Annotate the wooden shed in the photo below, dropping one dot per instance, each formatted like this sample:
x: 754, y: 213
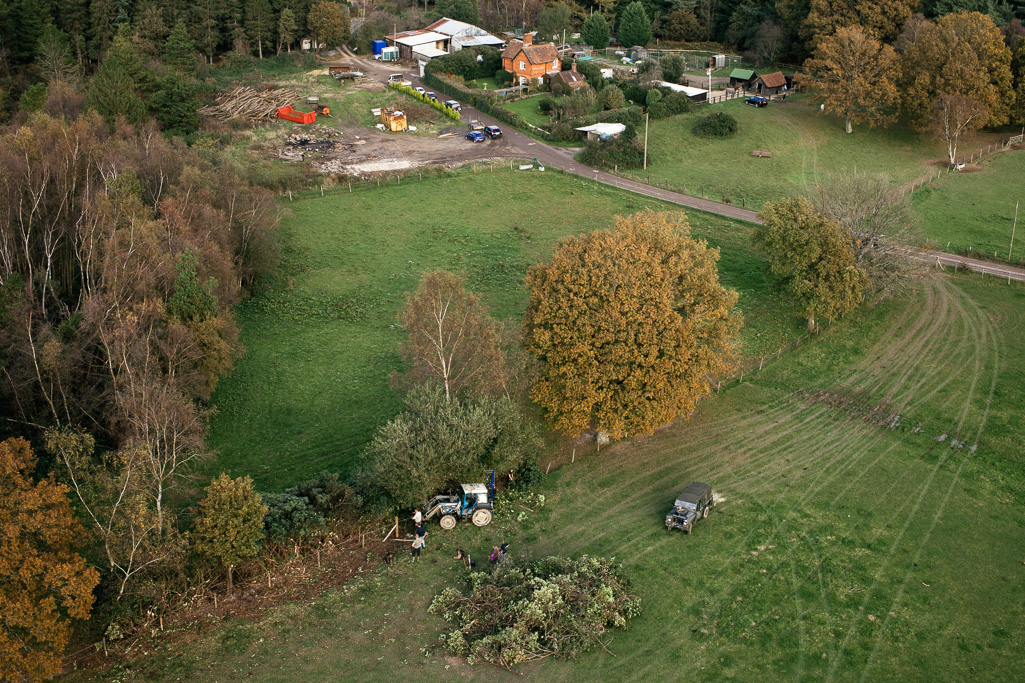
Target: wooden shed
x: 770, y: 84
x: 393, y: 120
x: 742, y: 78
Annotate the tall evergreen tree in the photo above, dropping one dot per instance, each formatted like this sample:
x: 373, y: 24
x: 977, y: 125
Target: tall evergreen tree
x: 287, y: 29
x: 634, y: 26
x: 30, y: 17
x: 179, y: 50
x: 596, y: 31
x: 114, y: 90
x: 259, y: 22
x: 205, y: 25
x: 101, y: 20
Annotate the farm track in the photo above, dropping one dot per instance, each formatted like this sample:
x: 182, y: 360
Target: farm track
x: 796, y: 463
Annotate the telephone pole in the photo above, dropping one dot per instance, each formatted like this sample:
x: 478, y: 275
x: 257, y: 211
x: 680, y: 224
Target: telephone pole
x: 646, y: 143
x: 1013, y: 226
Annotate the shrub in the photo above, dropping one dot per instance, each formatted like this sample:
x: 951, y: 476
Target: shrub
x: 545, y: 104
x: 291, y: 517
x: 672, y: 104
x: 624, y: 151
x: 611, y: 97
x: 555, y: 606
x: 652, y: 97
x: 436, y: 442
x: 717, y: 125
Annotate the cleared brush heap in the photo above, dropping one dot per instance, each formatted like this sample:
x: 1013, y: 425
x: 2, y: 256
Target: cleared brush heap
x: 554, y: 606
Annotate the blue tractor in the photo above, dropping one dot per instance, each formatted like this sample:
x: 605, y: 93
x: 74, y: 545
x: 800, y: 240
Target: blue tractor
x: 476, y: 501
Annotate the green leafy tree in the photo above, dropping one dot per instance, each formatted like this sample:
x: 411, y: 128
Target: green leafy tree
x: 682, y: 24
x: 327, y: 23
x: 611, y: 97
x: 175, y: 107
x: 189, y: 302
x: 811, y: 259
x: 287, y: 29
x: 259, y: 22
x: 596, y: 31
x: 634, y: 26
x: 436, y: 442
x: 179, y: 50
x: 460, y: 10
x: 554, y: 20
x: 673, y: 66
x: 229, y: 527
x: 628, y: 325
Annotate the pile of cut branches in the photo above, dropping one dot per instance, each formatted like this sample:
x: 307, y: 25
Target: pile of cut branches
x: 555, y: 606
x: 249, y: 104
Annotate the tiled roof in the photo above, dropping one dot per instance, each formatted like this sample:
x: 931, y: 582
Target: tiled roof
x: 543, y: 53
x: 774, y: 80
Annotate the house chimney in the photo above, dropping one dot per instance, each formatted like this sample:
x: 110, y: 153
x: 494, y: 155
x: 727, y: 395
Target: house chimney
x: 528, y: 39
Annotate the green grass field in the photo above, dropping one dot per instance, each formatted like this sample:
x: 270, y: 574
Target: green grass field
x: 858, y: 535
x: 322, y: 342
x: 976, y: 209
x: 527, y: 108
x: 804, y: 143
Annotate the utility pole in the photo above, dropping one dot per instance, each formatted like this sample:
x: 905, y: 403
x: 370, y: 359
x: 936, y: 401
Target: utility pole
x: 646, y: 143
x: 1013, y: 226
x: 711, y: 61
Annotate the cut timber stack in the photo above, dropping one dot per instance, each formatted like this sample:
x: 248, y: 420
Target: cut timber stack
x: 249, y: 104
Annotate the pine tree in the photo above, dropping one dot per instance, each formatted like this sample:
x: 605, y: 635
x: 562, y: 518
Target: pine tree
x: 287, y: 29
x: 30, y: 19
x: 175, y: 105
x: 596, y: 32
x: 114, y: 90
x: 101, y: 20
x: 259, y: 22
x: 179, y: 50
x: 205, y: 25
x: 634, y: 26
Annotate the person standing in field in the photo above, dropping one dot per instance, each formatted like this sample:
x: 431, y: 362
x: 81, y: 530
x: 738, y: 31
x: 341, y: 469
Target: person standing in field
x: 418, y: 543
x: 417, y: 518
x: 421, y: 533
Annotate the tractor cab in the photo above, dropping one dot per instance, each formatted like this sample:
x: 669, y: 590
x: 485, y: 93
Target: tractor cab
x: 476, y: 501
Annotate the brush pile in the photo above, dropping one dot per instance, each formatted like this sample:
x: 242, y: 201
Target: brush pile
x: 251, y: 105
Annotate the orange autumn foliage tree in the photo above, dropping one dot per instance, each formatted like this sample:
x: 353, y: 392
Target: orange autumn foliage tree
x: 44, y: 583
x: 629, y: 325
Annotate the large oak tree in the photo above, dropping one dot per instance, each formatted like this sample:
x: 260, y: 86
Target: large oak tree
x: 629, y: 325
x: 853, y: 72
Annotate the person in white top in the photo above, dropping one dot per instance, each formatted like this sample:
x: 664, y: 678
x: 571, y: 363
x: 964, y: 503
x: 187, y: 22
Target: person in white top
x: 418, y: 543
x: 417, y: 517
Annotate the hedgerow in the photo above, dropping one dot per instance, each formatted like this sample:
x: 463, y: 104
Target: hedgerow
x: 440, y: 106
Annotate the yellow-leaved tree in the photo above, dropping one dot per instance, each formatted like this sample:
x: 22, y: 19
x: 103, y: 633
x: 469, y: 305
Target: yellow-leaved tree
x: 629, y: 325
x: 852, y: 72
x: 45, y: 584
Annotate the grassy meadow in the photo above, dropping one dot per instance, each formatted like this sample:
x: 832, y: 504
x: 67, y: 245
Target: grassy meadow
x: 323, y: 341
x: 869, y: 527
x: 805, y: 144
x: 975, y: 209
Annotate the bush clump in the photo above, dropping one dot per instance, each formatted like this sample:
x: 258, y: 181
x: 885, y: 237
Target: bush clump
x: 554, y: 606
x: 717, y: 125
x: 624, y: 151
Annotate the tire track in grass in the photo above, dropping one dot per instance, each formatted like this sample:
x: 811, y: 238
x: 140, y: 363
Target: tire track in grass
x: 802, y: 630
x: 855, y: 626
x: 895, y: 605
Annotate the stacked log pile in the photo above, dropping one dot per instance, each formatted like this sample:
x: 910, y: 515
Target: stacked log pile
x: 249, y: 104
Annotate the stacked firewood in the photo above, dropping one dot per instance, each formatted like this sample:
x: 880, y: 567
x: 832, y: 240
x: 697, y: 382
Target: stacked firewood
x: 246, y: 103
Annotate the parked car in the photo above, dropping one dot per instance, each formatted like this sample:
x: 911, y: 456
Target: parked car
x: 453, y: 105
x: 431, y: 96
x: 690, y: 506
x: 419, y: 90
x: 475, y: 136
x: 757, y: 101
x: 493, y: 132
x: 395, y: 78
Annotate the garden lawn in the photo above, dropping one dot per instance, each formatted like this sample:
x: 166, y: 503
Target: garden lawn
x: 868, y: 526
x: 804, y: 143
x: 975, y: 208
x: 527, y: 108
x: 323, y: 341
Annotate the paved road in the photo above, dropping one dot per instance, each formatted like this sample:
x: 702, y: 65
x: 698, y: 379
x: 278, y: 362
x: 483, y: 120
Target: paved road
x: 515, y: 143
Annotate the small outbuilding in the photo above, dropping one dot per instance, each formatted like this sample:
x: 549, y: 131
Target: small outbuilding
x: 638, y: 52
x: 769, y: 84
x: 742, y: 78
x: 602, y: 131
x: 693, y: 94
x: 570, y: 80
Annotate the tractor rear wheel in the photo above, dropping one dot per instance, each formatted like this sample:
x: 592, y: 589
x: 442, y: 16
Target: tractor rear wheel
x: 481, y: 517
x: 447, y: 522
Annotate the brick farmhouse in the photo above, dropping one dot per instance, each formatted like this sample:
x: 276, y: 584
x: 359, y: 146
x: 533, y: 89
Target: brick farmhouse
x: 529, y: 62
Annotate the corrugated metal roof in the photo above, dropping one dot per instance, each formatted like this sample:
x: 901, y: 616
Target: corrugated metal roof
x: 428, y: 51
x: 414, y: 38
x: 742, y: 74
x: 450, y: 27
x: 685, y: 89
x: 477, y: 41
